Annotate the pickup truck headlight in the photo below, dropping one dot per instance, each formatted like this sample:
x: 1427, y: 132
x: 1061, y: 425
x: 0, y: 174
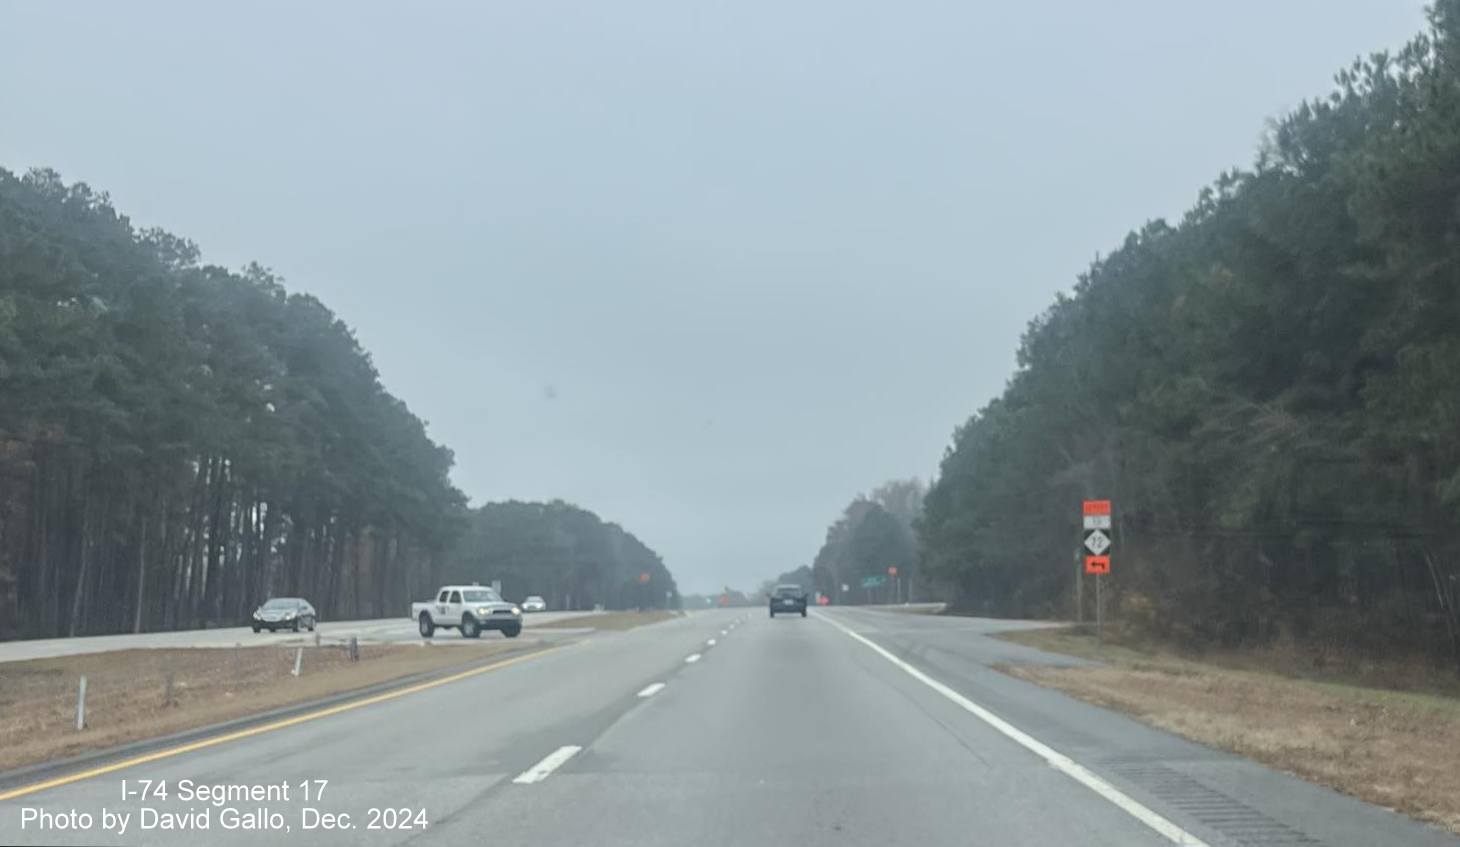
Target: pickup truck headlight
x: 516, y: 611
x: 483, y: 611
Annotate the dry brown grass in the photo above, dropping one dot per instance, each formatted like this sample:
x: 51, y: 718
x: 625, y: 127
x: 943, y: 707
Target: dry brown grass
x: 125, y: 690
x: 612, y: 620
x: 1315, y: 662
x: 913, y: 608
x: 1399, y: 749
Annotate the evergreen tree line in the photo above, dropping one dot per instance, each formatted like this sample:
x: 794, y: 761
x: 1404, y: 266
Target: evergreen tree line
x: 179, y: 441
x: 1268, y: 390
x: 872, y: 534
x: 567, y: 555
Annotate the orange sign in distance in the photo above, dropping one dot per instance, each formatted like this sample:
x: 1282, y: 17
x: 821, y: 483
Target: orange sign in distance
x: 644, y: 576
x: 1097, y: 564
x: 1097, y: 507
x: 892, y: 571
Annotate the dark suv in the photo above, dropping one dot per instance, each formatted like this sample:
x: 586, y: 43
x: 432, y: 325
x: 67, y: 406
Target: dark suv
x: 788, y: 598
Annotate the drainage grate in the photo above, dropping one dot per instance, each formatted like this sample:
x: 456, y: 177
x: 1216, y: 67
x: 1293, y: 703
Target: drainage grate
x: 1231, y: 817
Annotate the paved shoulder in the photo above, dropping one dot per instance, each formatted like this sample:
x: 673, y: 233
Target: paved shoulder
x: 1220, y: 797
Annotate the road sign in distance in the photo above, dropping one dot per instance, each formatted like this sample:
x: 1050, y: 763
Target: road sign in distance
x: 643, y: 576
x: 1097, y: 564
x: 1097, y: 542
x: 874, y: 581
x: 1096, y: 520
x: 892, y: 571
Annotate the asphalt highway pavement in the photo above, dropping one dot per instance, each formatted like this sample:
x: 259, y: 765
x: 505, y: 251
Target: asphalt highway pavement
x: 722, y: 727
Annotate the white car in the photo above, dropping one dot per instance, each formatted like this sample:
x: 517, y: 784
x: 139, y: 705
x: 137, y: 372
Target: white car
x: 534, y: 604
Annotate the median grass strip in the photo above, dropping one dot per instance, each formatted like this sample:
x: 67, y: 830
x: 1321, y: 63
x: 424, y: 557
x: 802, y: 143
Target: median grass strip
x: 611, y: 620
x: 127, y: 690
x: 1396, y: 748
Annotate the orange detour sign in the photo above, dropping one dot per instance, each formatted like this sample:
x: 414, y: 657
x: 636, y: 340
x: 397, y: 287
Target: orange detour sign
x: 1097, y: 564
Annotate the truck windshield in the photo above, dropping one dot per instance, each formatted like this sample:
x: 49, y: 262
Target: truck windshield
x: 481, y: 595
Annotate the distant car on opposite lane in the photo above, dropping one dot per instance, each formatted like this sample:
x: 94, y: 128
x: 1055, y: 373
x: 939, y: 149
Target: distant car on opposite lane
x: 534, y: 603
x: 788, y: 598
x: 285, y: 613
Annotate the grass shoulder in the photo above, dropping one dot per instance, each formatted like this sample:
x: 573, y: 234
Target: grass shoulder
x: 1398, y: 747
x: 127, y: 690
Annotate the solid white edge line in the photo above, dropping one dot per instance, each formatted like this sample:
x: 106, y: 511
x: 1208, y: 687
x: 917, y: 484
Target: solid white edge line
x: 691, y: 658
x: 651, y: 690
x: 550, y: 763
x: 1056, y: 759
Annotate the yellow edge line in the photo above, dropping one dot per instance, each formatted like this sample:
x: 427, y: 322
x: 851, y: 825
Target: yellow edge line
x: 268, y: 727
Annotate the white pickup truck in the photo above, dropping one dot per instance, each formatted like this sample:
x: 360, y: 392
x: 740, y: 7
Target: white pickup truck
x: 469, y: 609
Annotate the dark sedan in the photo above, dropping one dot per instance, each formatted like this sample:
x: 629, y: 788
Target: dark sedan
x: 285, y: 613
x: 788, y: 598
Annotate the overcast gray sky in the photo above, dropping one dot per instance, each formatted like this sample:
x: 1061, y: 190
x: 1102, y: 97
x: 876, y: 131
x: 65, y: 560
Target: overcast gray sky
x: 708, y: 269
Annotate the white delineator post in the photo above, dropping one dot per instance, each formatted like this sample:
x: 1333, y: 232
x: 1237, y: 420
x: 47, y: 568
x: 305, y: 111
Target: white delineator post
x: 81, y: 705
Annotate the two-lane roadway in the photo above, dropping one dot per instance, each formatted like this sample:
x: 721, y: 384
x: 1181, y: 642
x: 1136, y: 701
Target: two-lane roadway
x: 727, y: 728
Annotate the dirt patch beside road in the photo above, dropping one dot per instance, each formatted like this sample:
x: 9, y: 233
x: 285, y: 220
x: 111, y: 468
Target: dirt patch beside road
x: 1399, y: 749
x: 126, y: 690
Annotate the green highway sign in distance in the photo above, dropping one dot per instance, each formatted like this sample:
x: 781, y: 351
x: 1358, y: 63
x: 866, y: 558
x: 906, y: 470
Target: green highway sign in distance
x: 874, y: 581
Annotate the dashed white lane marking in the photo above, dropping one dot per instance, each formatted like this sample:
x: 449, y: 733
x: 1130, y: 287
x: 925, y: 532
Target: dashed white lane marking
x: 710, y: 643
x: 1056, y: 759
x: 651, y: 690
x: 691, y: 658
x: 724, y: 632
x: 550, y: 763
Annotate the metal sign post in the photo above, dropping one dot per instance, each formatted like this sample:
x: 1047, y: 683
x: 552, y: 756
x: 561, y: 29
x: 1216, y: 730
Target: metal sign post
x: 1079, y: 591
x: 1097, y: 547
